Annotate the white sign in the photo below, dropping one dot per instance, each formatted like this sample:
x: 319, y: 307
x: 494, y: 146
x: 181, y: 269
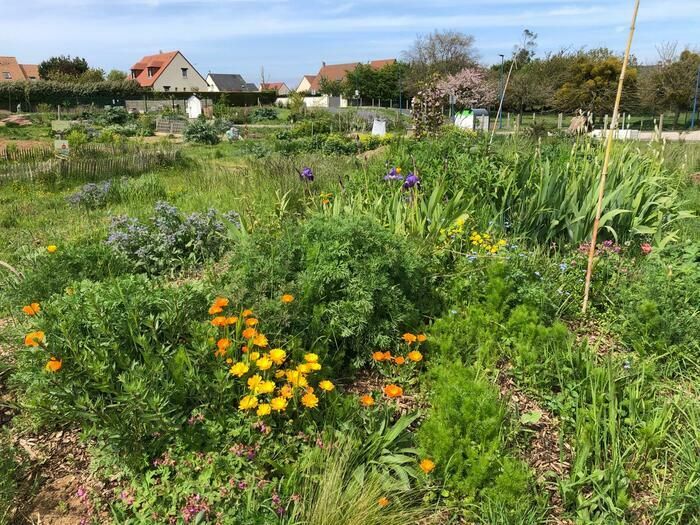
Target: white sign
x: 62, y: 147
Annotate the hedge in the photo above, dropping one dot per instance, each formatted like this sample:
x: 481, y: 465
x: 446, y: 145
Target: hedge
x: 30, y: 94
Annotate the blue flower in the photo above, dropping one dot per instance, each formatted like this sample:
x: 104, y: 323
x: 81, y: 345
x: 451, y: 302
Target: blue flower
x: 393, y: 175
x: 307, y: 174
x: 563, y: 266
x: 411, y: 181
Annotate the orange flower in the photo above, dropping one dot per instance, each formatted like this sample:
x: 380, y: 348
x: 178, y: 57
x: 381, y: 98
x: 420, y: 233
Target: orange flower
x: 213, y: 310
x: 427, y: 465
x: 287, y: 298
x: 415, y: 356
x: 222, y: 346
x: 221, y: 302
x: 378, y: 356
x: 219, y: 321
x: 260, y: 340
x: 399, y: 360
x: 251, y: 321
x: 249, y: 333
x: 309, y: 400
x: 392, y: 391
x: 53, y: 364
x: 387, y: 356
x: 231, y: 320
x: 422, y: 338
x: 367, y: 400
x: 286, y: 392
x: 409, y: 338
x: 247, y: 313
x: 34, y: 338
x: 31, y: 309
x: 383, y: 501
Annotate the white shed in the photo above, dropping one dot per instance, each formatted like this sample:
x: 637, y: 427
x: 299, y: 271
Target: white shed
x: 194, y: 107
x: 473, y: 119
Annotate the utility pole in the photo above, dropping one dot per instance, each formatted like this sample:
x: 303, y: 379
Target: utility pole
x: 500, y: 91
x: 695, y: 100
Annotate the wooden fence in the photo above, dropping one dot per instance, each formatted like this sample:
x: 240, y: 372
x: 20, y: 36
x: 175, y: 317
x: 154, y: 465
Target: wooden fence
x: 88, y: 169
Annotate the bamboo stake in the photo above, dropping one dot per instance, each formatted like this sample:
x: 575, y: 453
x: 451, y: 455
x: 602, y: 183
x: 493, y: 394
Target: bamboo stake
x: 606, y: 161
x: 500, y: 105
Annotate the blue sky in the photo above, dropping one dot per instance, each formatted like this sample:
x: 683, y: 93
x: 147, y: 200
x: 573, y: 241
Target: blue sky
x: 290, y: 38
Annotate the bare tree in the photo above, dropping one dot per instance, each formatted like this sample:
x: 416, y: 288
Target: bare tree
x: 440, y: 52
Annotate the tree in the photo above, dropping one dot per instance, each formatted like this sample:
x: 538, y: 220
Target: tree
x: 62, y: 67
x: 442, y: 53
x: 385, y: 83
x: 470, y: 87
x: 525, y: 51
x: 671, y: 84
x: 115, y: 75
x: 331, y: 87
x: 591, y: 84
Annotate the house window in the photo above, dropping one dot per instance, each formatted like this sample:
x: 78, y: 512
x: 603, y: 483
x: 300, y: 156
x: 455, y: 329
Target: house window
x: 166, y: 88
x: 151, y: 70
x: 7, y: 75
x: 184, y: 72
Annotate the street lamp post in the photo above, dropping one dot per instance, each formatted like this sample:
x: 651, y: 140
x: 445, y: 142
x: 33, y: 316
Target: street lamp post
x: 500, y: 91
x: 695, y: 100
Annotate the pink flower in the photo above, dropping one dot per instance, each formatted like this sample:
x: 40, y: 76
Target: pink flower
x: 646, y: 248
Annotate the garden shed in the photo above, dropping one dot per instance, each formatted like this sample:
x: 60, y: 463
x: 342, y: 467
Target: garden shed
x: 473, y: 119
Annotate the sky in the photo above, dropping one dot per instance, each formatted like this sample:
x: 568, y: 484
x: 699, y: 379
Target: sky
x: 290, y: 38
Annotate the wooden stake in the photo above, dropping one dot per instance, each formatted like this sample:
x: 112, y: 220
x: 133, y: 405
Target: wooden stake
x: 606, y: 161
x: 500, y: 105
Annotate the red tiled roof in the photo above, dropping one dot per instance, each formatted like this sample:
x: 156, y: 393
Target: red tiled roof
x: 31, y: 71
x: 335, y: 72
x: 159, y: 61
x: 271, y: 86
x: 10, y: 65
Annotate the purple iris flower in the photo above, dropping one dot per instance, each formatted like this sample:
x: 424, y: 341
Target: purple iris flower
x: 411, y: 181
x: 307, y: 174
x: 393, y: 175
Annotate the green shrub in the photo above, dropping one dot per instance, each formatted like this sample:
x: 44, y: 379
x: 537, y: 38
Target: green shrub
x: 10, y: 472
x: 357, y: 284
x: 263, y: 114
x: 202, y: 132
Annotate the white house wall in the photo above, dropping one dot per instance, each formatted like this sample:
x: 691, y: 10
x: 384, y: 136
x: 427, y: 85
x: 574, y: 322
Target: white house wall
x: 172, y: 76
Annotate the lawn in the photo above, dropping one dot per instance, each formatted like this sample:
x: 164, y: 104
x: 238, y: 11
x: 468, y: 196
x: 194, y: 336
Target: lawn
x: 328, y: 329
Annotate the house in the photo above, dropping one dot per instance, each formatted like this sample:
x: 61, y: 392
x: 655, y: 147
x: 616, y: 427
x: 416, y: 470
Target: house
x: 168, y: 72
x: 232, y: 83
x: 280, y: 87
x: 305, y: 84
x: 338, y: 72
x: 11, y: 70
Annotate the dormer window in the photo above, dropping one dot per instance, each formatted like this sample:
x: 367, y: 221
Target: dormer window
x: 184, y: 72
x: 152, y: 71
x: 7, y: 75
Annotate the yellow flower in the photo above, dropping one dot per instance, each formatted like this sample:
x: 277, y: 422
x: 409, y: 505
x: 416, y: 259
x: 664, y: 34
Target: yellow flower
x: 229, y: 361
x: 34, y: 338
x: 415, y: 356
x: 303, y: 368
x: 309, y: 400
x: 409, y: 338
x: 422, y: 338
x: 315, y: 367
x: 287, y: 298
x: 31, y: 309
x: 277, y: 355
x: 326, y: 385
x: 254, y: 356
x: 427, y: 465
x: 286, y: 392
x: 54, y: 365
x: 311, y: 358
x: 278, y: 404
x: 251, y: 321
x: 254, y: 381
x: 260, y: 340
x: 266, y: 387
x: 264, y: 409
x: 367, y: 400
x: 264, y: 363
x: 248, y: 403
x: 239, y: 369
x: 383, y: 501
x: 393, y: 391
x: 249, y: 333
x: 279, y: 374
x: 52, y: 248
x: 296, y: 378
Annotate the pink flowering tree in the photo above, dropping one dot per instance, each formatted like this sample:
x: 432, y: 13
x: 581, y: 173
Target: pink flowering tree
x: 470, y: 87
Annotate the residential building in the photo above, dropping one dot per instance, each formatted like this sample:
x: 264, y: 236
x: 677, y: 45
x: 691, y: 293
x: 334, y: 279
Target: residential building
x: 305, y: 84
x: 338, y: 72
x: 280, y: 87
x: 168, y: 72
x: 232, y: 83
x: 11, y: 70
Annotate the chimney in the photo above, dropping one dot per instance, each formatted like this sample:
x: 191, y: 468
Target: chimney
x: 324, y: 64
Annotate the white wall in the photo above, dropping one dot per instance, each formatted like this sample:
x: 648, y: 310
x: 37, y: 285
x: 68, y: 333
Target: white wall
x: 172, y: 76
